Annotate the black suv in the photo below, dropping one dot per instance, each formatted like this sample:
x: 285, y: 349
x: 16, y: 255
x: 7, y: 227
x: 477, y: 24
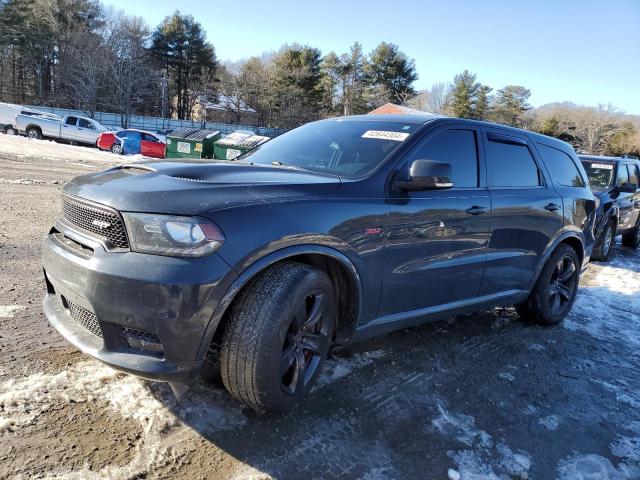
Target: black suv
x: 615, y: 181
x: 332, y: 233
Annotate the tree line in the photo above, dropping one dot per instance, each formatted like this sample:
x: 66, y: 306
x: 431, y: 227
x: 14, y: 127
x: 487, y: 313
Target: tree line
x: 79, y: 54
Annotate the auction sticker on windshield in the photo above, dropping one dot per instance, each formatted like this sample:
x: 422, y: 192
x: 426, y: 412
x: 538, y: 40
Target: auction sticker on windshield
x: 602, y: 166
x: 385, y: 135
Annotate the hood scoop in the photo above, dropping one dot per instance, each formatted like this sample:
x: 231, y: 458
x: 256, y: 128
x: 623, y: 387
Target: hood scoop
x: 189, y: 179
x: 136, y: 169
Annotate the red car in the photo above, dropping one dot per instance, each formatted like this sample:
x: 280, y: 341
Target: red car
x: 131, y: 142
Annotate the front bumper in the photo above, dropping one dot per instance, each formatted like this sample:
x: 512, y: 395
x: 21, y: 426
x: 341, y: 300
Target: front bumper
x: 166, y: 299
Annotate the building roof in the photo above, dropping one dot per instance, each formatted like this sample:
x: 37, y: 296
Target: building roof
x: 393, y: 109
x: 228, y: 102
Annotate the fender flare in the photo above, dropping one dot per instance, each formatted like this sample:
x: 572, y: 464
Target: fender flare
x: 550, y: 248
x: 236, y: 281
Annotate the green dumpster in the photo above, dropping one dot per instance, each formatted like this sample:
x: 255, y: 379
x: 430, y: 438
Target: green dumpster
x: 231, y: 146
x: 191, y: 143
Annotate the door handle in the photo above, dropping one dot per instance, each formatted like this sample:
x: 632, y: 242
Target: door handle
x: 475, y: 210
x: 552, y: 207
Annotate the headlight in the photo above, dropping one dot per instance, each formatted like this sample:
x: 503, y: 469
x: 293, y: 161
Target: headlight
x: 171, y: 235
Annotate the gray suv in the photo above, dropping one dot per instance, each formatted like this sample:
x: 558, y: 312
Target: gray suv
x: 330, y: 234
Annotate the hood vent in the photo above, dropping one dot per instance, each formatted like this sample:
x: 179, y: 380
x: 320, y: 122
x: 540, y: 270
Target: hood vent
x: 190, y: 179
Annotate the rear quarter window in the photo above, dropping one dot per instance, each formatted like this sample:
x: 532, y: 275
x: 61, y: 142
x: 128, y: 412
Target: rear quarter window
x: 561, y: 166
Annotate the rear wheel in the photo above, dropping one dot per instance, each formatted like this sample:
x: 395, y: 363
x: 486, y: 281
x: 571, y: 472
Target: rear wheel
x: 632, y: 239
x: 277, y: 336
x: 556, y: 289
x: 116, y: 148
x: 10, y: 131
x: 34, y: 132
x: 604, y: 245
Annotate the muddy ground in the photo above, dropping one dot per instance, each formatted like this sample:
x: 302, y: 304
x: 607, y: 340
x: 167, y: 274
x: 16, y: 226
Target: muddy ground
x: 480, y: 397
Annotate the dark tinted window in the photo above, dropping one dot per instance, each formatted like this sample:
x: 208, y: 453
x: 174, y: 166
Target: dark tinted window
x: 149, y: 138
x: 623, y: 175
x: 511, y: 165
x: 348, y: 148
x: 456, y: 147
x: 561, y: 166
x: 84, y: 123
x: 633, y: 174
x: 71, y: 121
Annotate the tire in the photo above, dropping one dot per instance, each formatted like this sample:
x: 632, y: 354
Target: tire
x: 604, y: 245
x: 116, y: 148
x: 558, y: 282
x: 34, y: 132
x: 277, y: 336
x: 10, y: 131
x: 632, y: 239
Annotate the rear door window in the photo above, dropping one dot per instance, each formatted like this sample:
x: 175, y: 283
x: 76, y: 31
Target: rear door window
x: 510, y: 163
x: 561, y: 166
x: 633, y: 174
x: 71, y: 121
x: 84, y: 123
x: 149, y: 138
x: 456, y: 147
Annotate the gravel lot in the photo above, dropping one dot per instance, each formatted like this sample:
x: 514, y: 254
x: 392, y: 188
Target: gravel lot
x: 480, y: 397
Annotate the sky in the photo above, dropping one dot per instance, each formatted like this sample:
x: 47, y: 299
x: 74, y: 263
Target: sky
x: 583, y: 51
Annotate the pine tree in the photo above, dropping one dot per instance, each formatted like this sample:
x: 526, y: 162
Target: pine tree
x: 180, y: 45
x: 390, y: 73
x: 511, y: 105
x: 463, y: 95
x: 482, y: 104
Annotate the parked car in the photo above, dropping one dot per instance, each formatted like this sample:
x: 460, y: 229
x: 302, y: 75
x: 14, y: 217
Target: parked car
x: 615, y: 181
x: 132, y: 141
x: 8, y: 114
x: 329, y: 234
x: 70, y: 128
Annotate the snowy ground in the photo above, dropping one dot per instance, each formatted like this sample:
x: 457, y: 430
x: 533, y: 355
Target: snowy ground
x: 480, y: 397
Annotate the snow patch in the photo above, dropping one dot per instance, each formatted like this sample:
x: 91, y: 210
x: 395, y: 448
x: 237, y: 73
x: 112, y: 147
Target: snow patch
x: 9, y: 311
x: 507, y: 376
x: 628, y: 447
x: 592, y: 467
x: 161, y: 417
x: 552, y: 422
x: 337, y: 368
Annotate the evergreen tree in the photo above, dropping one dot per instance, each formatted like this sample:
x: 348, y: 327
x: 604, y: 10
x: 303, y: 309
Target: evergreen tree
x: 511, y: 105
x: 390, y: 73
x: 180, y: 45
x: 463, y: 95
x: 482, y: 104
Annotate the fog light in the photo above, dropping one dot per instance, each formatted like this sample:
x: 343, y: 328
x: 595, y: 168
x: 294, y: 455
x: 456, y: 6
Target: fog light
x: 146, y: 342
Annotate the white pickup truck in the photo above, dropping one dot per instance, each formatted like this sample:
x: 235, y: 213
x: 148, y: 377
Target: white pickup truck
x: 72, y: 128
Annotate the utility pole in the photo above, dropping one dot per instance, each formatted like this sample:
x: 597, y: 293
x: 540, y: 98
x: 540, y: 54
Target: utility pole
x: 163, y: 86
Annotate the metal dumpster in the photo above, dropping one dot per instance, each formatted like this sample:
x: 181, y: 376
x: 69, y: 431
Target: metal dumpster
x: 191, y: 143
x: 236, y: 144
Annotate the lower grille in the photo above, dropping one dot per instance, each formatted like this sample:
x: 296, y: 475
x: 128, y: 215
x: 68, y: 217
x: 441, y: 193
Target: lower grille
x: 83, y: 317
x: 97, y: 219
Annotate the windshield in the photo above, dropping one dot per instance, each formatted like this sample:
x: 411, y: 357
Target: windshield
x: 600, y: 174
x: 345, y: 148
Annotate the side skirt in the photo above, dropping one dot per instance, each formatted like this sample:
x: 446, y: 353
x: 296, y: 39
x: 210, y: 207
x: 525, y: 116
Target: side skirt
x: 411, y: 318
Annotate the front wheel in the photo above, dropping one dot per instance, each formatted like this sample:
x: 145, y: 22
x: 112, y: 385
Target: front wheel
x: 632, y: 239
x: 10, y: 131
x: 277, y: 336
x: 603, y: 248
x: 555, y: 291
x: 116, y: 148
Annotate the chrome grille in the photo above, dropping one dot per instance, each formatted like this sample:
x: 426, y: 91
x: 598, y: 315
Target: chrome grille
x: 99, y: 220
x: 84, y: 317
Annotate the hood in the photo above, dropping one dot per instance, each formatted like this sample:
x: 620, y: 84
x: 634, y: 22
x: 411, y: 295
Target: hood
x: 196, y: 187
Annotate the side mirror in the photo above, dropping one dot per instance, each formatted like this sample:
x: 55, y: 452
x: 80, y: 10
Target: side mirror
x: 628, y: 187
x: 426, y: 175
